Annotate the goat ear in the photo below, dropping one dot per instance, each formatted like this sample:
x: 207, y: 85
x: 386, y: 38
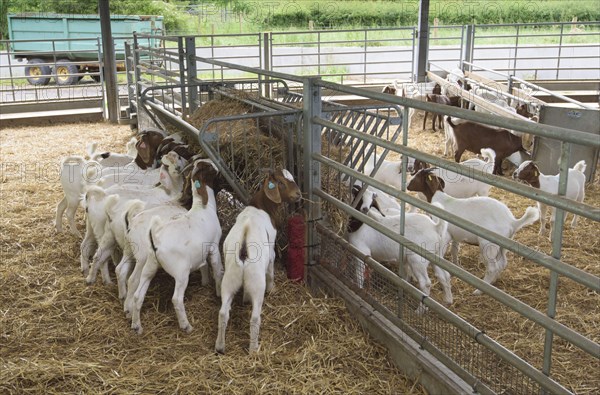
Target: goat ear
x: 272, y: 190
x: 202, y: 192
x: 143, y: 149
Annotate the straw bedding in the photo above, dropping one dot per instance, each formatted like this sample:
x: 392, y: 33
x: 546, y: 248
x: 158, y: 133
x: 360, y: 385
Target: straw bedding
x: 577, y: 308
x: 60, y: 336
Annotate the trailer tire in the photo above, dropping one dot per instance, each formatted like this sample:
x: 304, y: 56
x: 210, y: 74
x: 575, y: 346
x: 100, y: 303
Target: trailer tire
x: 35, y: 74
x: 63, y: 73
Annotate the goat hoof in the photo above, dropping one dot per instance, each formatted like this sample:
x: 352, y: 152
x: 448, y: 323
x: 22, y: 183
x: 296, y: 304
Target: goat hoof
x: 477, y: 292
x: 89, y: 281
x: 137, y: 328
x: 188, y: 329
x: 220, y: 350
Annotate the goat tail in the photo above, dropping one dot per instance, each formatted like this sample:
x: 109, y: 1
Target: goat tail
x: 489, y: 155
x: 95, y: 193
x: 243, y: 252
x: 155, y: 223
x: 531, y: 215
x: 91, y: 149
x: 580, y: 166
x: 133, y: 208
x: 449, y: 120
x: 110, y: 204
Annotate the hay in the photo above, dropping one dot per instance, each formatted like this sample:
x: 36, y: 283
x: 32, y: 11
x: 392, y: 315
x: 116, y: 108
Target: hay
x: 578, y: 308
x: 61, y: 336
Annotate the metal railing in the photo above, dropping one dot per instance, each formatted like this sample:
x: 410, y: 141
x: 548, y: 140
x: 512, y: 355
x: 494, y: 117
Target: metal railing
x: 363, y: 56
x: 386, y: 289
x: 540, y: 51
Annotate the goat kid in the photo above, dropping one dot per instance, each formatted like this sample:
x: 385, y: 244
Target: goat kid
x: 459, y: 186
x: 453, y: 101
x: 99, y: 238
x: 473, y: 137
x: 529, y: 173
x: 419, y: 229
x: 249, y: 251
x: 184, y: 244
x: 486, y: 212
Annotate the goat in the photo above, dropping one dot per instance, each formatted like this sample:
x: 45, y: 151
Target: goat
x: 97, y: 229
x: 529, y: 173
x: 453, y: 101
x: 420, y: 229
x: 473, y: 137
x: 184, y: 244
x: 77, y: 174
x: 459, y: 186
x: 486, y: 212
x: 249, y: 251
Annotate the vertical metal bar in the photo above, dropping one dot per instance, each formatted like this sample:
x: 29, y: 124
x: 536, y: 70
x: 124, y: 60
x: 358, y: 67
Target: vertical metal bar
x: 128, y: 72
x: 557, y: 232
x: 110, y: 67
x: 212, y: 54
x: 516, y: 50
x: 54, y: 68
x: 562, y: 28
x: 267, y: 62
x: 423, y: 46
x: 190, y: 53
x: 365, y: 57
x: 319, y: 53
x: 462, y: 48
x: 136, y: 70
x: 10, y: 70
x: 469, y: 45
x: 182, y: 81
x: 412, y: 54
x: 312, y: 168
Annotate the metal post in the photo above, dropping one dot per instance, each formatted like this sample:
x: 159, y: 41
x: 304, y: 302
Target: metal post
x: 110, y: 67
x: 312, y: 168
x: 365, y: 43
x: 516, y: 50
x: 267, y: 62
x: 469, y: 44
x: 557, y: 232
x: 562, y: 28
x: 423, y: 44
x: 190, y: 53
x: 136, y: 71
x: 185, y: 111
x: 412, y: 55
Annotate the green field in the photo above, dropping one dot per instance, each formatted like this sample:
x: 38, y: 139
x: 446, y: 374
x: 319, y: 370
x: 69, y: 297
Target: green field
x: 244, y: 16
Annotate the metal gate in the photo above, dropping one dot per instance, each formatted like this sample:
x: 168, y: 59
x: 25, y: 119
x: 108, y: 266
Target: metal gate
x: 461, y: 356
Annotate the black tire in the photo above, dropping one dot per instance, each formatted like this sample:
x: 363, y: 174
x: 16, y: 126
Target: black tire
x: 63, y: 73
x: 37, y: 74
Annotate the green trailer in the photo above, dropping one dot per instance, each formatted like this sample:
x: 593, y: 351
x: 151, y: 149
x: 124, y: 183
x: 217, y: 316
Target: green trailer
x: 65, y: 46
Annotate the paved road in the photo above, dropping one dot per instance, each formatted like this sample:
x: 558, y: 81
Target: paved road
x: 395, y: 63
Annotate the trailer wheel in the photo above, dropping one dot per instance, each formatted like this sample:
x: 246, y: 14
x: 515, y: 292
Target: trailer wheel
x: 37, y: 75
x: 63, y: 73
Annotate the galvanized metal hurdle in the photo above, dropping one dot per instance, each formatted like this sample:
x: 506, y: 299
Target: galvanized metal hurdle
x: 461, y: 356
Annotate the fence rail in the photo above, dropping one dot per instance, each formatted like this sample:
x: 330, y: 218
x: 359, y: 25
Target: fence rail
x: 386, y: 289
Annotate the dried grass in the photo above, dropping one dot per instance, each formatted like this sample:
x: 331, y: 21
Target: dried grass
x: 60, y: 336
x: 578, y: 308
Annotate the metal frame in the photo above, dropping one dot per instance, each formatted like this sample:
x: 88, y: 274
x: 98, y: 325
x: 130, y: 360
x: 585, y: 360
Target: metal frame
x: 319, y: 237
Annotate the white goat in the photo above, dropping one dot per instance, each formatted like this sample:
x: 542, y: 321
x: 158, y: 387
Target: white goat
x: 529, y: 172
x: 430, y: 234
x: 184, y: 244
x: 98, y: 230
x: 460, y: 186
x: 249, y: 251
x: 486, y: 212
